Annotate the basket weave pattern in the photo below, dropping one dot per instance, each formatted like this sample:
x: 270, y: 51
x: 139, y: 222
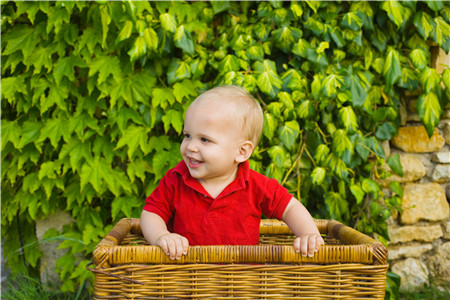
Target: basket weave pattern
x: 350, y: 266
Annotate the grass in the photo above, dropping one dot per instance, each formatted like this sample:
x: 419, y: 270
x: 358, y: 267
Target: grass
x: 427, y: 292
x: 22, y: 287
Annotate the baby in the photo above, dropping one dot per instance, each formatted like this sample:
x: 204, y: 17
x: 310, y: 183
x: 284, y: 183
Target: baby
x: 212, y: 197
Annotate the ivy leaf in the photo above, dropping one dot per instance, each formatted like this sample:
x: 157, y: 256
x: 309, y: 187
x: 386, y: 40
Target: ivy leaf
x: 429, y: 80
x: 30, y: 132
x: 151, y: 38
x: 173, y: 118
x: 220, y: 6
x: 396, y: 12
x: 396, y: 187
x: 392, y: 70
x: 337, y: 206
x: 441, y: 34
x: 184, y: 90
x: 357, y: 192
x: 289, y: 133
x: 229, y: 63
x: 318, y: 175
x: 168, y: 22
x: 12, y: 85
x: 370, y: 186
x: 322, y: 152
x: 11, y: 132
x: 269, y: 83
x: 139, y: 49
x: 54, y: 129
x: 278, y: 155
x: 269, y: 126
x: 306, y: 109
x: 348, y: 119
x: 337, y: 166
x: 23, y: 38
x: 424, y: 24
x: 395, y: 164
x: 125, y: 33
x: 183, y: 40
x: 65, y: 67
x: 409, y: 79
x: 386, y: 131
x: 133, y: 137
x: 106, y: 66
x: 161, y: 97
x: 341, y: 142
x: 178, y: 70
x: 331, y: 84
x: 429, y: 111
x: 352, y: 20
x: 419, y: 58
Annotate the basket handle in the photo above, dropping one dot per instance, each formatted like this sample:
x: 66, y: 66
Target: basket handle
x: 112, y: 275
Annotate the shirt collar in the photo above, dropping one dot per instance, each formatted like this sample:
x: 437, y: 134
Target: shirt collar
x: 238, y: 183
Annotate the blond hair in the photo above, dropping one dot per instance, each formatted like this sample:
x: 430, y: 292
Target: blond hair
x: 247, y: 108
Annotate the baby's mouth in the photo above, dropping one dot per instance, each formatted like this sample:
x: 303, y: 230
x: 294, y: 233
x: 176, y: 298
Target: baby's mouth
x: 193, y: 162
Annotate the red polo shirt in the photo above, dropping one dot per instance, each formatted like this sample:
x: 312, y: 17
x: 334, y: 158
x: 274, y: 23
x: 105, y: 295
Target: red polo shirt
x: 232, y: 218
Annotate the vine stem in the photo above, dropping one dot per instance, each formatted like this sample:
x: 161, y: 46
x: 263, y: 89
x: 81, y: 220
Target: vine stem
x: 302, y: 148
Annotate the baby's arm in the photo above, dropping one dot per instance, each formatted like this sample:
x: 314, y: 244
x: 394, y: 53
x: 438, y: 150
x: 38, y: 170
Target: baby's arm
x: 297, y: 217
x: 155, y: 232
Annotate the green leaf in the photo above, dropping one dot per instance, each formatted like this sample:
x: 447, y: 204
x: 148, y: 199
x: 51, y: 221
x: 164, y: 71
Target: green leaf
x: 30, y: 132
x: 12, y: 85
x: 337, y: 166
x: 229, y: 63
x: 395, y: 164
x: 348, y: 119
x: 289, y: 133
x: 392, y: 69
x: 357, y: 192
x: 54, y: 129
x: 173, y: 118
x: 322, y: 152
x: 23, y: 38
x: 318, y: 175
x: 184, y: 91
x: 183, y: 40
x: 269, y: 83
x: 429, y: 80
x: 168, y: 22
x: 419, y: 58
x: 306, y: 109
x: 396, y: 187
x: 269, y: 126
x: 278, y: 155
x: 409, y: 79
x: 332, y: 84
x: 106, y: 66
x: 424, y: 24
x: 162, y: 97
x: 352, y: 20
x: 396, y: 12
x: 441, y: 34
x: 220, y: 6
x: 64, y: 67
x: 341, y: 142
x: 139, y: 49
x: 386, y: 131
x: 429, y: 111
x: 337, y: 206
x: 370, y: 186
x: 178, y: 70
x: 125, y: 33
x: 11, y: 132
x: 133, y: 137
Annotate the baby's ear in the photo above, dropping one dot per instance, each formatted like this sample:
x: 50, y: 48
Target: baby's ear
x: 245, y: 151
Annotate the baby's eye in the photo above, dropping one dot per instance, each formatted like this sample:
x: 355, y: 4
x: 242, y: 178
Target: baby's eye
x: 187, y: 136
x: 204, y: 140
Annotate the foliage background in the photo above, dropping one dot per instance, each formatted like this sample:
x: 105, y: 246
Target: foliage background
x: 94, y: 93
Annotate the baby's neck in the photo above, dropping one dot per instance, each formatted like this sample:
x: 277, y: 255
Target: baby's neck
x: 215, y: 186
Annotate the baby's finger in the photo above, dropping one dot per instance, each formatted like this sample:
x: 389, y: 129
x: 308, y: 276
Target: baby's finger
x: 304, y: 245
x: 297, y: 244
x: 172, y: 248
x: 164, y: 247
x: 185, y: 243
x: 311, y: 244
x: 178, y: 247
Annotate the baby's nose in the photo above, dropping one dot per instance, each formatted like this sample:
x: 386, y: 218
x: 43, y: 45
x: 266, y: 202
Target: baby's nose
x: 192, y: 146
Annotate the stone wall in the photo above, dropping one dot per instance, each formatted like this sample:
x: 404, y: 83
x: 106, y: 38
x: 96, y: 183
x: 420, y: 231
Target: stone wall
x: 419, y: 250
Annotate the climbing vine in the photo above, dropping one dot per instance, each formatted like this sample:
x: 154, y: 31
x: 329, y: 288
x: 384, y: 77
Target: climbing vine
x: 93, y: 97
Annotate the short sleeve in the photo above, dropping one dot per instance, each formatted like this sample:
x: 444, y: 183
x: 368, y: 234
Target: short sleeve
x: 160, y: 200
x: 275, y: 200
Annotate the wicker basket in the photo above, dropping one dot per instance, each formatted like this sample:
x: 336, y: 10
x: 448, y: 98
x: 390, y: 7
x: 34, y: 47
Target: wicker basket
x: 350, y: 266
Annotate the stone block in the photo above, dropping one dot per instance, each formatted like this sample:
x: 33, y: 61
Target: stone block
x: 441, y: 173
x: 420, y: 233
x: 446, y: 226
x: 447, y: 133
x: 414, y: 139
x: 413, y: 169
x: 423, y: 202
x: 403, y: 251
x: 414, y: 274
x: 439, y: 264
x: 50, y: 251
x: 441, y: 157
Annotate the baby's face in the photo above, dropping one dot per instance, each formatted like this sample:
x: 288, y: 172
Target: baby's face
x: 212, y: 138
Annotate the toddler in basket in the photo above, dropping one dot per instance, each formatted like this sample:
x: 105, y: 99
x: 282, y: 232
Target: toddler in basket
x: 212, y: 197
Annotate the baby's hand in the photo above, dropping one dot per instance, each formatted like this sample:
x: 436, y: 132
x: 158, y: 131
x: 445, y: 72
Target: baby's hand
x: 308, y: 244
x: 173, y: 245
